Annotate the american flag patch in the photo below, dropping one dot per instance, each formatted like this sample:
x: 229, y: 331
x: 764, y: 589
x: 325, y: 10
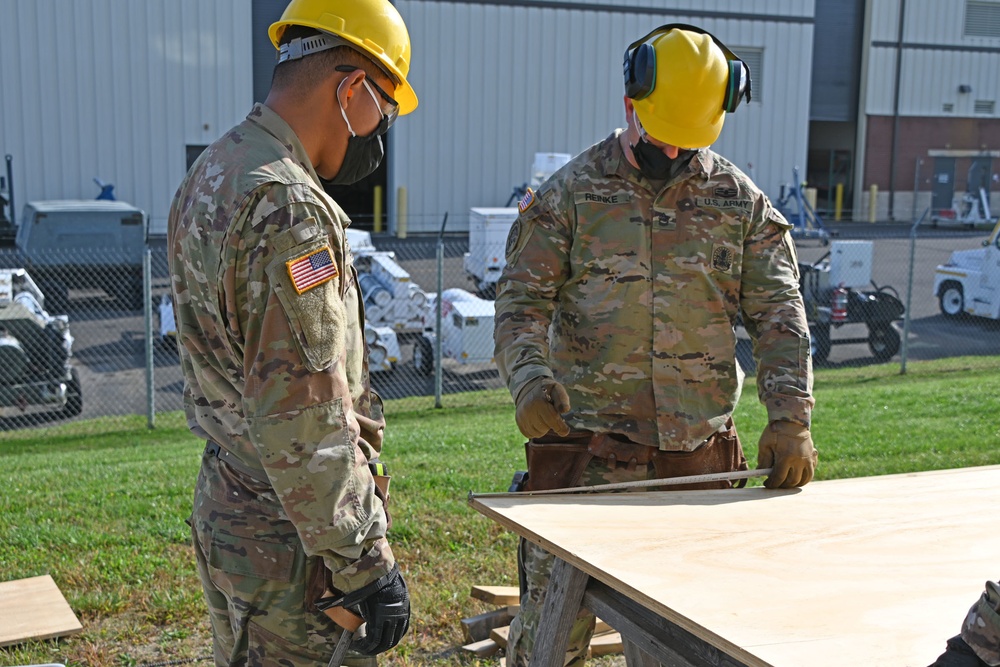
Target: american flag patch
x: 526, y: 201
x: 313, y: 269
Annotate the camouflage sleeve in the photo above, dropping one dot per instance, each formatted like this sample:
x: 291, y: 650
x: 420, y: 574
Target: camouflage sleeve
x: 537, y: 256
x: 297, y: 398
x: 981, y: 630
x: 774, y: 316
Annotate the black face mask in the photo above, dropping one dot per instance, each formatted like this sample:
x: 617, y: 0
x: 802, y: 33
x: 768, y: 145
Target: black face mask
x: 655, y: 165
x: 363, y: 156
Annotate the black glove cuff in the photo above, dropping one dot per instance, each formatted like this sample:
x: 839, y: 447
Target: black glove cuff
x: 353, y: 598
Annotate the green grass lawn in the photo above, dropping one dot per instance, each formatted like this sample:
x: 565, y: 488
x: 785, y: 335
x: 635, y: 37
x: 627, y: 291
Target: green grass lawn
x: 103, y: 511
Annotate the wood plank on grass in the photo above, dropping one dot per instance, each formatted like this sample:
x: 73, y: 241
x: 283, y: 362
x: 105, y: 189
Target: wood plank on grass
x: 499, y: 595
x: 499, y: 635
x: 477, y: 628
x: 482, y: 649
x: 34, y: 608
x: 606, y: 644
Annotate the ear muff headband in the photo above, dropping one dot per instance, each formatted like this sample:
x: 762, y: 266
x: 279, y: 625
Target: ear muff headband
x: 640, y: 68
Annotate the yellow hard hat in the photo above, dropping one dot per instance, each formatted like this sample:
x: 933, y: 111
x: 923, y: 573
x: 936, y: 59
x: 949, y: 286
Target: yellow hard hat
x: 682, y: 82
x: 372, y: 26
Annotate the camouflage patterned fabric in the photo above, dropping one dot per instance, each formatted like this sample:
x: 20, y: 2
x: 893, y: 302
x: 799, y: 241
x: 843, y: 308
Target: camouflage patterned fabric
x: 628, y: 295
x: 981, y: 630
x: 642, y: 288
x: 269, y: 326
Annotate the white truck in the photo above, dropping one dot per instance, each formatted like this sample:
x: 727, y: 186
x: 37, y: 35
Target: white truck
x: 466, y: 326
x: 969, y: 283
x: 488, y: 230
x: 489, y: 227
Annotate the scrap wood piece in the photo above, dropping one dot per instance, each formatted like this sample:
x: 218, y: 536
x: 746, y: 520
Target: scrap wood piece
x: 500, y: 595
x: 606, y: 644
x: 482, y: 649
x: 499, y: 635
x: 34, y: 608
x: 601, y: 628
x: 477, y: 628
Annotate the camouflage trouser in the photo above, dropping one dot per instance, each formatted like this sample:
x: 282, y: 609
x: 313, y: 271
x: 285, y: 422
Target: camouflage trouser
x: 722, y: 453
x: 981, y: 630
x: 258, y: 582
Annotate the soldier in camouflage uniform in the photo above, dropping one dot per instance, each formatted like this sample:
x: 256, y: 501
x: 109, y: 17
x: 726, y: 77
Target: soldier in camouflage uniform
x: 626, y: 275
x: 978, y: 645
x: 270, y: 325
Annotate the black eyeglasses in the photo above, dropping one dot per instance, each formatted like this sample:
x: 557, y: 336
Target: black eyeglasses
x: 389, y: 114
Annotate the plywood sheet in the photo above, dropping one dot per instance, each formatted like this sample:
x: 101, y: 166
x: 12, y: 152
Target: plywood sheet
x: 875, y: 571
x: 34, y: 609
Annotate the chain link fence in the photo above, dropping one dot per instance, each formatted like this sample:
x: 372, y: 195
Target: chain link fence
x: 83, y: 345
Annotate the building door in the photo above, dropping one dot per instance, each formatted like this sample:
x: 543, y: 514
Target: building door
x: 979, y: 175
x: 943, y: 185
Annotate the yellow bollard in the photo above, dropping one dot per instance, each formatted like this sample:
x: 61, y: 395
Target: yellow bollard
x: 872, y: 202
x: 810, y: 194
x: 838, y: 202
x: 401, y: 213
x: 377, y: 210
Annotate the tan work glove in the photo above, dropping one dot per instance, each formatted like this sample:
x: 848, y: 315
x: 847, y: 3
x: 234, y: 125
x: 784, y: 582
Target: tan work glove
x: 788, y: 448
x: 540, y: 406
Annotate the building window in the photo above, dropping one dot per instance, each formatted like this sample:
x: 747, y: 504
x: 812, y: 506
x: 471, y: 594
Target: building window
x: 754, y: 58
x: 948, y: 107
x: 984, y: 107
x: 982, y: 18
x: 193, y: 152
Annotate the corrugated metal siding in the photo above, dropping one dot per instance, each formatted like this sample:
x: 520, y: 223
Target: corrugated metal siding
x: 936, y: 59
x: 116, y: 89
x: 534, y: 79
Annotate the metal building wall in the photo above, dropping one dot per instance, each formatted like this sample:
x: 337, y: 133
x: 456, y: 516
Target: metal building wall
x: 937, y: 58
x: 943, y: 76
x: 499, y: 82
x: 117, y: 89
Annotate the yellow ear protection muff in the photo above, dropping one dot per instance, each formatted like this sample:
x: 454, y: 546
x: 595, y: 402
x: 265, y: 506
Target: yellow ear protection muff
x: 640, y: 68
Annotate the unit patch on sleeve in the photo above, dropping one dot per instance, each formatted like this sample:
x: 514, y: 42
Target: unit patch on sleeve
x: 526, y: 201
x: 311, y: 270
x: 722, y: 258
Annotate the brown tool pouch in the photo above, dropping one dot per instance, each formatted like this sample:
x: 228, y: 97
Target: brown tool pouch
x: 556, y: 462
x: 615, y: 450
x: 721, y: 453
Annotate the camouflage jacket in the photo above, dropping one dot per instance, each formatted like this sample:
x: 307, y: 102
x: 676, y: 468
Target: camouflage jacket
x: 981, y: 630
x: 269, y: 325
x: 628, y: 295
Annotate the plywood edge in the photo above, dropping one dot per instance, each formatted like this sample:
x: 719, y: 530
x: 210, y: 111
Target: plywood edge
x: 34, y: 609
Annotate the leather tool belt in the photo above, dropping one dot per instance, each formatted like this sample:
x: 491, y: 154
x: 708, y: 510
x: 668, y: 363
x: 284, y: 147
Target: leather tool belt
x: 558, y: 462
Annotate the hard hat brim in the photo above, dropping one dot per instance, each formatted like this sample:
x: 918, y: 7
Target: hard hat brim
x: 676, y: 135
x: 404, y: 93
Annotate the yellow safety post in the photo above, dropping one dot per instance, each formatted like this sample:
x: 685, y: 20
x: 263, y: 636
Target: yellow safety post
x: 401, y: 213
x: 810, y: 194
x: 838, y: 202
x: 872, y: 202
x: 377, y: 210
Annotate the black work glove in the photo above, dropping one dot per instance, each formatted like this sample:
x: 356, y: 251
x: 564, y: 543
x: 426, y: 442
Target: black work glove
x: 958, y: 654
x: 386, y: 610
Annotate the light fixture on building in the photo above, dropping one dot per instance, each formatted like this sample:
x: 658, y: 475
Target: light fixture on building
x: 964, y: 88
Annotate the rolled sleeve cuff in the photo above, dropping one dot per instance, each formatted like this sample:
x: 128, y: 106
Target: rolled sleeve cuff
x: 374, y: 563
x: 524, y: 379
x: 784, y: 408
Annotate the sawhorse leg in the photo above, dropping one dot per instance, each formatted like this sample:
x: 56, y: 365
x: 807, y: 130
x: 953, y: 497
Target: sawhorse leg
x: 649, y: 639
